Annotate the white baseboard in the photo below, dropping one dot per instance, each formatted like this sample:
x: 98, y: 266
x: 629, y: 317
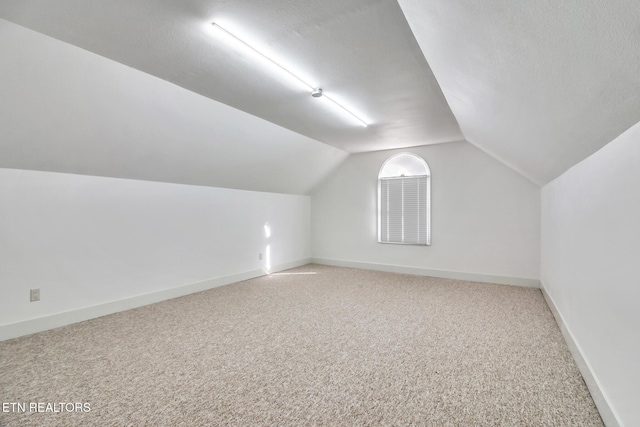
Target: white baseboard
x: 597, y: 393
x: 458, y: 275
x: 32, y: 326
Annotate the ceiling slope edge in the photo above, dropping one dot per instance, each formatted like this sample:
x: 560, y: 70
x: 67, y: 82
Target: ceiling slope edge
x: 65, y: 109
x: 538, y: 85
x: 478, y: 146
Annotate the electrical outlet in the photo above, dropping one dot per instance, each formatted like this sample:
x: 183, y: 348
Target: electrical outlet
x: 35, y: 295
x: 260, y: 255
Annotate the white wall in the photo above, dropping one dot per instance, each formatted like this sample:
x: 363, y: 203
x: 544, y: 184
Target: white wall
x: 64, y: 109
x: 89, y: 241
x: 485, y: 218
x: 98, y: 245
x: 589, y: 266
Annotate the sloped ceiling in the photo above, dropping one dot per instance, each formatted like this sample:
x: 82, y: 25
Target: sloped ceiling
x: 360, y: 51
x: 64, y: 109
x: 540, y: 85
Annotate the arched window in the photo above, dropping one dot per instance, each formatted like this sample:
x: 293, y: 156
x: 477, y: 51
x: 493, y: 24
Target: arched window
x: 404, y: 200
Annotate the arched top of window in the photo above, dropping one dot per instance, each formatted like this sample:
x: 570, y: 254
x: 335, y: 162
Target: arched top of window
x: 404, y: 200
x: 404, y: 164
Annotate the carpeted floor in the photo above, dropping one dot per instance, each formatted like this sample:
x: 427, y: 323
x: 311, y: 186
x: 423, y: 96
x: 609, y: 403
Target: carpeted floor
x: 339, y: 347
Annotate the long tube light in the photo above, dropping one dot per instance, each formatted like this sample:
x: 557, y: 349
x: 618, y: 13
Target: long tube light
x: 315, y: 91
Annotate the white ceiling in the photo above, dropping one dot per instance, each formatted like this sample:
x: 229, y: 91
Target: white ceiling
x: 361, y: 51
x: 64, y: 109
x: 540, y: 85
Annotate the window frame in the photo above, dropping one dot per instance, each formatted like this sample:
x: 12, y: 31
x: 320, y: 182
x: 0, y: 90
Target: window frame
x: 427, y: 202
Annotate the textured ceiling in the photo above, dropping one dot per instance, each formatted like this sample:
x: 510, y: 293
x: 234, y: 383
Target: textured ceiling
x: 540, y: 85
x: 360, y: 51
x: 64, y: 109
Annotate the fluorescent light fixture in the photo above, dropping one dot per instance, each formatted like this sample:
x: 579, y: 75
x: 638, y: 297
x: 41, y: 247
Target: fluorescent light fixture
x: 315, y: 91
x: 337, y: 104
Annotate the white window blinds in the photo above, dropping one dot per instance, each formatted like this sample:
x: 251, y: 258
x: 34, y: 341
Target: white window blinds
x: 404, y: 210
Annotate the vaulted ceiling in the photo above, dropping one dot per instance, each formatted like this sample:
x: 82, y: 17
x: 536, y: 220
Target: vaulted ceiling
x: 540, y: 85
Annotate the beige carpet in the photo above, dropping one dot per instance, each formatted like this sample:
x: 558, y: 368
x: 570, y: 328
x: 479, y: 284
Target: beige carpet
x: 341, y: 347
